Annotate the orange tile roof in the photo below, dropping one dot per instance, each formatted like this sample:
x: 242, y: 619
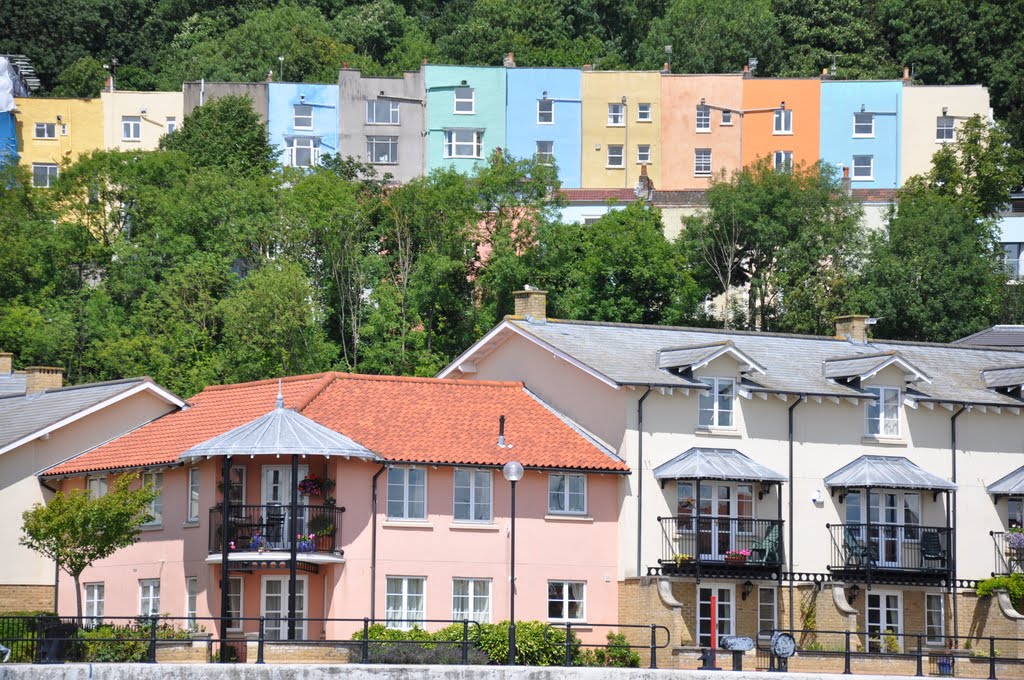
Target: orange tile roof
x: 403, y: 419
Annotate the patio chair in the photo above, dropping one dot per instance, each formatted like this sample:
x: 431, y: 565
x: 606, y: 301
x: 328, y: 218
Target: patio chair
x: 931, y: 548
x: 766, y: 550
x: 275, y: 525
x: 856, y: 552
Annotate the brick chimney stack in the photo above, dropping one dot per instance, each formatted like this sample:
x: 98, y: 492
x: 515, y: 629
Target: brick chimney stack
x: 41, y: 378
x: 846, y: 183
x: 531, y: 303
x: 853, y: 327
x: 510, y: 60
x: 907, y: 80
x: 6, y: 363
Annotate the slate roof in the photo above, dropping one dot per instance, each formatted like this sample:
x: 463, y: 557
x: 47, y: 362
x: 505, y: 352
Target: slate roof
x: 24, y: 415
x: 422, y: 420
x: 890, y: 472
x: 998, y: 336
x: 627, y: 354
x: 13, y: 383
x: 706, y: 463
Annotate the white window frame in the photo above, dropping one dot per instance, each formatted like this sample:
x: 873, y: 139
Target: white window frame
x: 477, y: 590
x: 887, y: 395
x: 545, y: 157
x: 545, y: 110
x: 643, y: 112
x: 297, y: 144
x: 477, y: 494
x: 96, y: 485
x: 566, y: 494
x: 869, y: 124
x: 782, y: 161
x: 239, y: 472
x: 1014, y: 512
x: 702, y: 119
x: 767, y: 597
x: 193, y: 494
x: 52, y: 172
x: 452, y: 144
x: 945, y: 129
x: 49, y: 131
x: 94, y: 602
x: 643, y: 153
x: 462, y: 100
x: 930, y: 636
x: 565, y: 600
x: 393, y: 112
x: 172, y: 124
x: 149, y: 597
x: 726, y: 117
x: 730, y: 620
x: 236, y: 603
x: 620, y: 155
x: 191, y: 601
x: 372, y: 141
x: 156, y: 508
x: 616, y: 114
x: 131, y: 128
x: 899, y: 624
x: 407, y: 514
x: 303, y: 120
x: 302, y: 601
x: 870, y: 167
x: 404, y: 618
x: 717, y: 413
x: 702, y: 168
x: 782, y: 122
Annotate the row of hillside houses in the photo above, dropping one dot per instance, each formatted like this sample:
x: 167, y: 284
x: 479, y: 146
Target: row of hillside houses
x: 603, y: 129
x: 848, y: 482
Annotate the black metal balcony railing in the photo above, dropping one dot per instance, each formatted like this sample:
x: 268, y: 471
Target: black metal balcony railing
x: 1009, y: 552
x: 890, y: 547
x: 720, y: 540
x: 251, y: 527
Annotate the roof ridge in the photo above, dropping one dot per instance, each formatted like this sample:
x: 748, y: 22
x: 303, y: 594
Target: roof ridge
x: 264, y: 381
x: 430, y: 380
x: 83, y: 386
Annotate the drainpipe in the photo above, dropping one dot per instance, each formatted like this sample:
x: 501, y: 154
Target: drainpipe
x: 952, y: 533
x: 640, y: 478
x: 224, y: 577
x: 373, y: 545
x: 799, y: 400
x: 294, y: 557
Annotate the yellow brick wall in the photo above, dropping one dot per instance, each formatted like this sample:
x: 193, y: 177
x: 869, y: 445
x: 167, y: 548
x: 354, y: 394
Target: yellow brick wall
x: 297, y: 652
x: 17, y: 598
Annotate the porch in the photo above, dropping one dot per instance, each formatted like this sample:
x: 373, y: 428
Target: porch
x: 268, y: 528
x: 720, y: 546
x: 863, y: 548
x: 1009, y: 552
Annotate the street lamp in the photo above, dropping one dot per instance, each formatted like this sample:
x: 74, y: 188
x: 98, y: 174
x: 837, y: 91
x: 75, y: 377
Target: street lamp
x: 513, y: 472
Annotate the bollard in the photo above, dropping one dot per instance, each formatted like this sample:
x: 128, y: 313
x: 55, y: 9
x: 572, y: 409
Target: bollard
x: 846, y: 656
x: 260, y: 639
x: 366, y: 641
x: 991, y: 658
x: 708, y: 660
x: 152, y: 640
x: 920, y: 659
x: 465, y: 642
x: 654, y: 646
x: 568, y: 644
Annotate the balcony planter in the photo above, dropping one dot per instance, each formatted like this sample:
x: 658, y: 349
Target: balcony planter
x: 735, y: 559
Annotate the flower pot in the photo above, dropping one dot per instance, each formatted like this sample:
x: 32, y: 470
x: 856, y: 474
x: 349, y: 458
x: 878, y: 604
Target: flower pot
x: 736, y: 559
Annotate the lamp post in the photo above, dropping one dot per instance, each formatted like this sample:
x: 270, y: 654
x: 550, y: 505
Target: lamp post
x: 513, y: 472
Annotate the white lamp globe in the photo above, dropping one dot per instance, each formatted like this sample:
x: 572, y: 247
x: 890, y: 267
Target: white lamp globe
x: 513, y: 471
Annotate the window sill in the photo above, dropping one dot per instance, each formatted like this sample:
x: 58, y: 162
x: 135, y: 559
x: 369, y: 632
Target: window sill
x: 645, y: 122
x: 643, y: 162
x: 728, y: 433
x: 863, y: 136
x: 862, y: 179
x: 462, y: 158
x: 702, y: 174
x: 469, y: 526
x: 136, y: 141
x: 561, y: 623
x: 614, y: 167
x: 873, y: 440
x: 550, y: 122
x: 408, y: 524
x: 726, y: 124
x: 782, y: 134
x: 383, y: 163
x: 151, y: 527
x: 586, y: 519
x: 383, y: 124
x: 463, y: 113
x: 190, y: 524
x: 616, y: 125
x: 703, y: 132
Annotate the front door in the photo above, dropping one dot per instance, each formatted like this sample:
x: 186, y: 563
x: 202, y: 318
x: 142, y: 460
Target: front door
x: 274, y: 607
x: 726, y: 612
x: 278, y: 488
x: 885, y: 622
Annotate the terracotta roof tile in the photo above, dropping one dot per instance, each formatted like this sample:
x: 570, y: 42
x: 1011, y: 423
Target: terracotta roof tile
x: 574, y: 195
x: 403, y: 419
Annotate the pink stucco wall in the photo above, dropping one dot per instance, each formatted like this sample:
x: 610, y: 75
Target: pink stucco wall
x: 680, y: 95
x: 578, y: 549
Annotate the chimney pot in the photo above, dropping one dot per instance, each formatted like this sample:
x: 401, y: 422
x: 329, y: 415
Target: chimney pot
x: 531, y: 303
x: 906, y: 75
x: 852, y: 327
x: 587, y: 67
x: 6, y: 363
x: 510, y: 60
x: 41, y: 378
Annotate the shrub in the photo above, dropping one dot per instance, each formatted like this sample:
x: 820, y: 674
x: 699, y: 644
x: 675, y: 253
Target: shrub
x: 532, y: 649
x: 616, y: 654
x: 23, y: 626
x: 422, y: 653
x: 112, y: 644
x: 1012, y: 584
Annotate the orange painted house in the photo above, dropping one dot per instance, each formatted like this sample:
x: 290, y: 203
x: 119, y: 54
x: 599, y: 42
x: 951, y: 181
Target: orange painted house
x: 781, y: 119
x: 702, y: 125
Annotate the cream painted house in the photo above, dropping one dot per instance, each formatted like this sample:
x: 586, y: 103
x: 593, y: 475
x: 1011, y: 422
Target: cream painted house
x: 137, y: 120
x: 931, y: 116
x: 857, y: 473
x: 42, y: 424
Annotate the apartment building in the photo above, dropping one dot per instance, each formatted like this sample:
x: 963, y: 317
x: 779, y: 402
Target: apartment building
x: 702, y: 123
x: 465, y: 115
x: 544, y: 110
x: 52, y: 132
x: 302, y: 122
x: 135, y: 121
x: 621, y: 128
x: 861, y: 122
x: 931, y: 116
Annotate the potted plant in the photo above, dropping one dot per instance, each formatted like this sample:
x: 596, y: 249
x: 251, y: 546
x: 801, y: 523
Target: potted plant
x: 306, y: 542
x: 1015, y: 539
x: 682, y: 558
x: 259, y: 543
x: 321, y: 525
x: 311, y: 485
x: 737, y: 556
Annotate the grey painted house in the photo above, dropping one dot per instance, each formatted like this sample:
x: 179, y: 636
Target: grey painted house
x: 199, y: 92
x: 382, y: 122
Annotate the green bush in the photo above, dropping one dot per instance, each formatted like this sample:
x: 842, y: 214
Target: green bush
x: 532, y: 649
x: 113, y: 644
x: 1012, y: 584
x: 18, y: 630
x: 616, y: 654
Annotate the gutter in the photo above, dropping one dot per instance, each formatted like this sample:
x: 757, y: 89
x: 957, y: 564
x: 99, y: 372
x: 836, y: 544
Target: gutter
x: 953, y: 526
x: 800, y: 400
x: 640, y: 478
x: 373, y: 545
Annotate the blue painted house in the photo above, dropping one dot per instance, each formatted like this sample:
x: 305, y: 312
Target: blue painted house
x: 465, y: 115
x: 860, y: 128
x: 8, y: 138
x: 302, y: 119
x: 543, y: 118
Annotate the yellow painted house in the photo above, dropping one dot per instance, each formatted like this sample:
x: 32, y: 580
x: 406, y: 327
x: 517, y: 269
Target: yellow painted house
x: 137, y: 120
x: 53, y: 132
x: 621, y: 128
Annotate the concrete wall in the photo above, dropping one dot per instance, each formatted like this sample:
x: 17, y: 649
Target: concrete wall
x: 526, y: 87
x: 488, y: 117
x: 601, y: 88
x: 840, y: 100
x: 680, y: 96
x: 922, y: 105
x: 197, y: 93
x: 355, y: 90
x: 162, y: 110
x: 282, y: 98
x: 761, y: 97
x: 79, y: 130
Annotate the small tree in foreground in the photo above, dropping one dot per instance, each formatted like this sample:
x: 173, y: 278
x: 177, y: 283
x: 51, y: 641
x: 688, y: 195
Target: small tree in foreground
x: 75, y: 530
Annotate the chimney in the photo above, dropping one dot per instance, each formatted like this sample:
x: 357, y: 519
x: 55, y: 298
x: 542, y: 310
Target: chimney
x: 665, y: 68
x: 344, y: 64
x: 40, y: 378
x: 270, y: 76
x: 746, y: 71
x: 510, y: 60
x: 531, y: 303
x: 6, y: 363
x: 907, y: 80
x: 825, y: 75
x: 853, y: 327
x: 846, y: 183
x: 587, y: 67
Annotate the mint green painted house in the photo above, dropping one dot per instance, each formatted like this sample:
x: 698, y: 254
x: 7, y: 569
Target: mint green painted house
x: 465, y: 115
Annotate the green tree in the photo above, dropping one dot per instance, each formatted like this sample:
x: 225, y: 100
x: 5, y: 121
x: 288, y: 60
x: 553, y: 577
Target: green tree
x: 816, y: 32
x: 75, y: 530
x: 225, y: 133
x: 84, y: 78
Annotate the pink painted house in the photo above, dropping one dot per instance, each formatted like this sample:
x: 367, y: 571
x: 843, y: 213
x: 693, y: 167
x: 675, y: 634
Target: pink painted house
x: 420, y: 533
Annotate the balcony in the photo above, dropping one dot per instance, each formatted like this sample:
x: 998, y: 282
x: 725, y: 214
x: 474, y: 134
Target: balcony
x: 905, y: 553
x: 268, y: 527
x: 1009, y: 552
x: 706, y: 546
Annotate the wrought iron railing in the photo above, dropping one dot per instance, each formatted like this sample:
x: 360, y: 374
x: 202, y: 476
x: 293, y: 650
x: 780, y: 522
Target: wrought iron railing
x: 720, y: 540
x: 890, y: 547
x: 254, y: 528
x: 1009, y: 552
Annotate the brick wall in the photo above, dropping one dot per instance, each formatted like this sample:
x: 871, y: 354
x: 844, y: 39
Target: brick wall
x: 183, y: 652
x: 25, y: 598
x: 298, y: 652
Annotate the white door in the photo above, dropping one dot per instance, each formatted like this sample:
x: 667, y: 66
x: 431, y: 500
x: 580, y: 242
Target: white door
x: 726, y: 612
x: 885, y: 621
x: 278, y: 488
x: 274, y: 607
x: 723, y: 507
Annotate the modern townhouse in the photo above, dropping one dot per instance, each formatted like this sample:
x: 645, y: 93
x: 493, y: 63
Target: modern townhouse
x: 931, y: 116
x: 302, y: 122
x: 412, y: 525
x: 701, y: 124
x: 382, y: 122
x: 621, y: 128
x: 135, y: 121
x: 465, y: 115
x: 197, y: 93
x: 544, y: 109
x: 860, y: 130
x: 52, y: 132
x: 781, y: 120
x: 1011, y: 235
x: 841, y: 483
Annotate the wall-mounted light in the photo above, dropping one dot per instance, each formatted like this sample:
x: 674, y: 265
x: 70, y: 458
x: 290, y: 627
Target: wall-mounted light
x: 945, y: 110
x: 623, y: 99
x: 464, y: 83
x: 854, y: 592
x: 748, y: 588
x: 782, y: 105
x: 862, y: 108
x: 544, y: 94
x: 143, y: 111
x: 702, y: 101
x: 60, y: 119
x: 817, y: 497
x: 302, y: 98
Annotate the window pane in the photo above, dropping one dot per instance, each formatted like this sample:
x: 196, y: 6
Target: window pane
x: 418, y: 493
x: 303, y: 116
x: 463, y: 100
x: 556, y: 493
x: 577, y: 493
x: 545, y: 111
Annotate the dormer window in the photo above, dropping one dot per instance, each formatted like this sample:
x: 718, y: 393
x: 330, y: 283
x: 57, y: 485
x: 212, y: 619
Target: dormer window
x: 882, y: 415
x: 715, y: 405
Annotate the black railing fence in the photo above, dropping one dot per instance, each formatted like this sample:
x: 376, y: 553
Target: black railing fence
x: 255, y: 528
x: 890, y: 547
x: 572, y: 646
x: 721, y: 540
